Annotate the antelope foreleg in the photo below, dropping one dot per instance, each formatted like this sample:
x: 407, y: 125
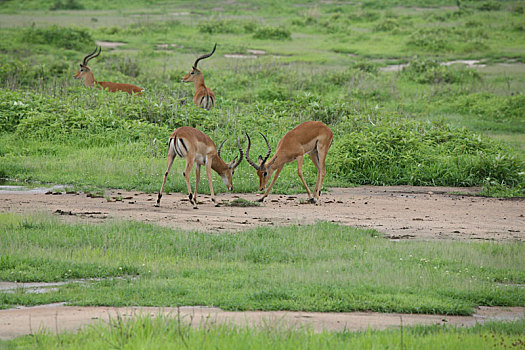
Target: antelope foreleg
x: 300, y: 173
x: 277, y: 172
x: 171, y: 157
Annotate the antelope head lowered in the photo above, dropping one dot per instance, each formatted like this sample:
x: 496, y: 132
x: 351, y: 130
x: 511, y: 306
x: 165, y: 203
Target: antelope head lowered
x: 203, y: 97
x: 313, y: 138
x: 198, y: 148
x: 89, y: 79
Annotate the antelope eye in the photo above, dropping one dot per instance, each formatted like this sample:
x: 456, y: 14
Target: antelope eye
x: 192, y: 72
x: 265, y: 174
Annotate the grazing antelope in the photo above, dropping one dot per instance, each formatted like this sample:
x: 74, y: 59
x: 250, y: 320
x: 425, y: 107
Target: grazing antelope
x: 203, y: 97
x: 198, y: 148
x: 89, y: 80
x: 312, y: 138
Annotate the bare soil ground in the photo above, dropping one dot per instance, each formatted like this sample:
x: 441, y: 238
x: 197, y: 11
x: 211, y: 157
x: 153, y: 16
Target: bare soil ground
x: 396, y: 211
x: 399, y: 212
x: 58, y: 318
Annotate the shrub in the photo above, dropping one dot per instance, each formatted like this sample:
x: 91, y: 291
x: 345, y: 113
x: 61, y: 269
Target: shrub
x: 490, y: 6
x: 62, y: 37
x: 430, y: 71
x: 66, y: 5
x: 272, y: 33
x: 387, y: 25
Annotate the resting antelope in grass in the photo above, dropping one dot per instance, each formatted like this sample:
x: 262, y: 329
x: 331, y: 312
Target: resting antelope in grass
x: 198, y: 148
x: 203, y: 97
x: 89, y: 80
x: 312, y: 138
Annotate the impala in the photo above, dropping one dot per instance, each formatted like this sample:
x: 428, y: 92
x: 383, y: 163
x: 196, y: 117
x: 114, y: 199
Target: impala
x: 89, y: 80
x: 313, y: 138
x: 198, y: 148
x: 203, y: 97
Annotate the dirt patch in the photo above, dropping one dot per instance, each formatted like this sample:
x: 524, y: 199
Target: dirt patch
x: 59, y: 318
x: 110, y: 44
x: 399, y: 212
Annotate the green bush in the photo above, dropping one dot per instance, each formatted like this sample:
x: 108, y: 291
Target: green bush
x: 397, y: 151
x: 492, y: 107
x: 490, y: 6
x: 272, y: 33
x: 61, y: 37
x: 430, y: 71
x: 66, y: 5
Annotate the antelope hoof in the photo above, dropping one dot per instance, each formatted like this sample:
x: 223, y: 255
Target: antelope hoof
x: 157, y: 205
x: 312, y: 200
x: 217, y: 205
x: 260, y: 200
x: 195, y: 207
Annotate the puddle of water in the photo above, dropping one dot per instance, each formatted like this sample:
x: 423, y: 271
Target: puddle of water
x: 27, y: 189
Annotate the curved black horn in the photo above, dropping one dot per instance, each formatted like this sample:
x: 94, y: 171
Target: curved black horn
x: 240, y: 151
x: 247, y: 155
x: 220, y: 147
x: 84, y: 62
x: 269, y: 149
x: 204, y: 56
x: 96, y: 55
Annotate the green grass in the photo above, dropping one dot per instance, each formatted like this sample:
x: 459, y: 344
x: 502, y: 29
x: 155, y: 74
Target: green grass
x: 387, y: 123
x: 166, y: 333
x: 262, y: 269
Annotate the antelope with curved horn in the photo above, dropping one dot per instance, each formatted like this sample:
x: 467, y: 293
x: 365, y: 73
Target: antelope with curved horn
x: 203, y: 97
x: 198, y: 148
x: 313, y: 138
x: 89, y: 80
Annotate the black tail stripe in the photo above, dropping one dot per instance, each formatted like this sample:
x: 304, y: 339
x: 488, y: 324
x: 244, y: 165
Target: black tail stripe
x: 184, y: 145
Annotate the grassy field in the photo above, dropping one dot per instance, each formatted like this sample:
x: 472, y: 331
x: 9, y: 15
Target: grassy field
x: 433, y: 122
x: 428, y: 124
x: 261, y: 269
x: 162, y: 333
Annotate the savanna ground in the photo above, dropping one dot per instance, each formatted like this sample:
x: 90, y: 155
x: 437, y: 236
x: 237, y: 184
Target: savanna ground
x: 383, y: 75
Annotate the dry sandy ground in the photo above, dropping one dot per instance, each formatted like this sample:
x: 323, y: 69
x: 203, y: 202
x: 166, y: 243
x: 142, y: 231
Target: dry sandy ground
x: 59, y: 318
x: 399, y: 212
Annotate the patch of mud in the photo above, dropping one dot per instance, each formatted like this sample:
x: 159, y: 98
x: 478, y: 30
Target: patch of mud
x: 46, y: 287
x: 399, y: 212
x: 237, y: 56
x: 59, y: 318
x: 468, y: 63
x: 394, y: 67
x: 256, y: 52
x: 167, y: 46
x: 110, y: 44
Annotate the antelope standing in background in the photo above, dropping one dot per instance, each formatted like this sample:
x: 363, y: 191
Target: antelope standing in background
x: 203, y: 97
x: 198, y: 148
x: 313, y: 138
x: 89, y: 80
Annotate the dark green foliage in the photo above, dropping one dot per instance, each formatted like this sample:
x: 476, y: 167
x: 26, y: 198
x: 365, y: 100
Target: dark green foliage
x: 61, y: 37
x: 398, y: 151
x: 272, y: 33
x: 430, y: 71
x: 66, y: 5
x: 490, y: 6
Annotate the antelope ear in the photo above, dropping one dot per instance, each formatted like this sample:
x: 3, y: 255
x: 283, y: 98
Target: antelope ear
x: 260, y: 159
